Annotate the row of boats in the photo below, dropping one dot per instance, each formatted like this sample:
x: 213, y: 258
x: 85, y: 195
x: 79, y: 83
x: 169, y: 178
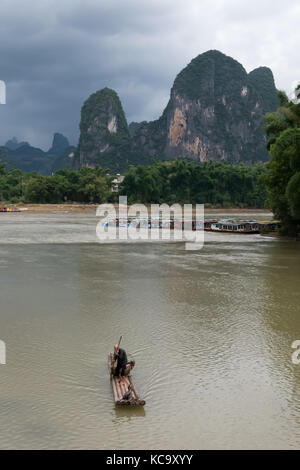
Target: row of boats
x: 209, y: 225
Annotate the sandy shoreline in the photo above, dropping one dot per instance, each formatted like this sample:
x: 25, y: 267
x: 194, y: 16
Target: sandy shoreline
x: 210, y: 213
x: 48, y: 208
x: 91, y: 208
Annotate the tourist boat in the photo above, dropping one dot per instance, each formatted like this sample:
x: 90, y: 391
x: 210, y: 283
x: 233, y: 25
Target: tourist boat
x: 124, y: 393
x: 233, y: 226
x: 208, y: 223
x: 269, y: 226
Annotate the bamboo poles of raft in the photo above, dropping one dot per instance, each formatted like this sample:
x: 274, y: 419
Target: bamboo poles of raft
x: 124, y: 393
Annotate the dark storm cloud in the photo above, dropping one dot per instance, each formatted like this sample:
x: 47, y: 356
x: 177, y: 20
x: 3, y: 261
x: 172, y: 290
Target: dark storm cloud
x: 55, y: 53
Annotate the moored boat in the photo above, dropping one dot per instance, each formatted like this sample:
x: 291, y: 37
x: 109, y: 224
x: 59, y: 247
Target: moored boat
x: 9, y: 209
x: 233, y: 226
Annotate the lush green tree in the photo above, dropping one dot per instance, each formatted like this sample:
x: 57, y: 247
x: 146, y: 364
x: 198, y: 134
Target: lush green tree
x: 177, y: 181
x: 89, y: 185
x: 2, y: 168
x: 94, y: 185
x: 184, y: 181
x: 36, y: 190
x: 283, y: 176
x: 293, y: 196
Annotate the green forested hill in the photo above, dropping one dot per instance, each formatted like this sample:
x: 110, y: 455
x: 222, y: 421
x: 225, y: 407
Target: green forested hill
x: 104, y: 134
x: 263, y: 81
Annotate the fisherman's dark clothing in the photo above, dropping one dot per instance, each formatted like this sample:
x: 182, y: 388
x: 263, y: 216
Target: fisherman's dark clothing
x: 122, y: 361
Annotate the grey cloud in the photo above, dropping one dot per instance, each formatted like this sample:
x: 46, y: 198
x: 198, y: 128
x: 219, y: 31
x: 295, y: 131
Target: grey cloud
x: 54, y: 53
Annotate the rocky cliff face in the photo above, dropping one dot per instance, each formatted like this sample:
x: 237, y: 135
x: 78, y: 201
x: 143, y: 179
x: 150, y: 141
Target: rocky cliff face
x: 104, y: 135
x: 215, y: 112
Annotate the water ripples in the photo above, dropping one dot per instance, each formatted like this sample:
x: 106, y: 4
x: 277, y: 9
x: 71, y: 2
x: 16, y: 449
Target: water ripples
x: 210, y: 333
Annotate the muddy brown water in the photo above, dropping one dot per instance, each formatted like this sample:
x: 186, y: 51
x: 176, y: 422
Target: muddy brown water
x: 211, y: 333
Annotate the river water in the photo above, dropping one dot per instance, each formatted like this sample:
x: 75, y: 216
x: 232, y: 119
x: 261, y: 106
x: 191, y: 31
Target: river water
x: 210, y: 330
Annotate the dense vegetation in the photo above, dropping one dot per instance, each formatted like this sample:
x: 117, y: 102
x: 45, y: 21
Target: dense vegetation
x: 85, y: 186
x: 218, y: 184
x: 283, y: 176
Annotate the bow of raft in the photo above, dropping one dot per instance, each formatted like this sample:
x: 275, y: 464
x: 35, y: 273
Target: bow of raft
x: 124, y: 393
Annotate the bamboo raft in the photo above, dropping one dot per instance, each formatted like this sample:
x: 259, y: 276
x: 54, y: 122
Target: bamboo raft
x: 125, y: 393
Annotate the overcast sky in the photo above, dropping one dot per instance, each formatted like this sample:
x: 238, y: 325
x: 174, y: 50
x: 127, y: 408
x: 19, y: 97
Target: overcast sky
x: 55, y: 53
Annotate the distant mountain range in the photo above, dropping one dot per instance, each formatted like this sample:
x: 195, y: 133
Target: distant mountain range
x: 27, y: 158
x: 215, y: 112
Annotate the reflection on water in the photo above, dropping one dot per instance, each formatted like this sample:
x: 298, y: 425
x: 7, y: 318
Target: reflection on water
x: 211, y: 333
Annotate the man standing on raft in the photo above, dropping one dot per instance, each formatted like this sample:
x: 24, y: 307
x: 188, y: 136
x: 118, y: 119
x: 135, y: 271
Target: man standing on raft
x: 121, y: 356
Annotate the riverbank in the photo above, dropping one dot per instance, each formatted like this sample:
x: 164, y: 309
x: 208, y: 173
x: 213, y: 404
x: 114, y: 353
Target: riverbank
x: 48, y: 208
x: 84, y: 208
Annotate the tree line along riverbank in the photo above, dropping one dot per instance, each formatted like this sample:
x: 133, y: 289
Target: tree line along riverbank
x: 180, y: 181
